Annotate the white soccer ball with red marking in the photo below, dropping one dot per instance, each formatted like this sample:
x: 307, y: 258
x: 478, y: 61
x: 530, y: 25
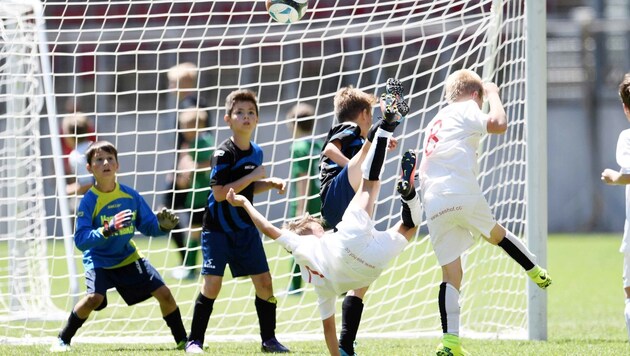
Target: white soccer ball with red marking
x: 287, y: 11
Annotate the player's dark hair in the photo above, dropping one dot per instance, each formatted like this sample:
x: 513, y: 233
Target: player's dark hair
x: 624, y: 90
x: 303, y: 114
x: 301, y: 226
x: 96, y: 146
x: 240, y: 95
x: 349, y: 102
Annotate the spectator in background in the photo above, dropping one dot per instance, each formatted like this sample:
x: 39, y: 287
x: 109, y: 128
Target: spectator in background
x: 193, y: 173
x: 304, y: 191
x: 183, y: 80
x: 77, y: 135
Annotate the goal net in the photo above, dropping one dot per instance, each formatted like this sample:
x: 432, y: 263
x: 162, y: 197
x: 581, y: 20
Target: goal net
x: 111, y: 61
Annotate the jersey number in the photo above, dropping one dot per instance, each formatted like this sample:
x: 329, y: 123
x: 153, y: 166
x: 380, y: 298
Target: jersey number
x: 432, y: 139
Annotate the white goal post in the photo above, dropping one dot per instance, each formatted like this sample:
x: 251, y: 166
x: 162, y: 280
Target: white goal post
x: 110, y: 60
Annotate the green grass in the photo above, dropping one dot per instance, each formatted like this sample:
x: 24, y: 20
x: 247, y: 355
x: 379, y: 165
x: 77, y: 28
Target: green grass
x: 585, y: 314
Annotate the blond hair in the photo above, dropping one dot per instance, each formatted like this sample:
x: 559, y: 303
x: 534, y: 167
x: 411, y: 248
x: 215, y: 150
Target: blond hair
x: 184, y: 74
x: 188, y: 117
x: 462, y: 83
x: 349, y: 102
x: 302, y: 226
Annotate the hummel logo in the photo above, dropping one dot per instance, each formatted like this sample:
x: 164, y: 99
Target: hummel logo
x: 208, y: 264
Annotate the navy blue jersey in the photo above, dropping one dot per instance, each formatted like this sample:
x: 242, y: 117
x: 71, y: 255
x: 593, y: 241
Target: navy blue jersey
x: 349, y: 134
x: 230, y: 164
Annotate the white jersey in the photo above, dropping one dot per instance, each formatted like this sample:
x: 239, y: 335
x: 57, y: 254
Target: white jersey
x: 351, y: 258
x: 77, y: 162
x: 623, y: 159
x: 449, y: 163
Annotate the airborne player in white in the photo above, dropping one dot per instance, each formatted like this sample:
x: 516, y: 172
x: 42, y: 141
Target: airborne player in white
x: 455, y: 207
x: 356, y: 254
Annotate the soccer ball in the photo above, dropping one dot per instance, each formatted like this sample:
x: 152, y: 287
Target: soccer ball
x: 286, y: 11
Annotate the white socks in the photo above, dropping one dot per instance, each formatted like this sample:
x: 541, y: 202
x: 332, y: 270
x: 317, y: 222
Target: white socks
x: 449, y: 308
x: 412, y: 211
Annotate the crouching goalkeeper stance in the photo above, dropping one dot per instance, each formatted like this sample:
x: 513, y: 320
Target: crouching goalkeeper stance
x: 107, y: 218
x: 355, y: 255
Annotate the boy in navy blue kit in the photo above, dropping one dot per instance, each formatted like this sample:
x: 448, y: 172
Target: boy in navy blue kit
x: 229, y: 236
x: 341, y: 176
x: 108, y: 216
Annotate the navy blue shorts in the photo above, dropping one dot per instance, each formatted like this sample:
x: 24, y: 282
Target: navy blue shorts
x: 134, y: 282
x: 336, y: 197
x: 242, y: 250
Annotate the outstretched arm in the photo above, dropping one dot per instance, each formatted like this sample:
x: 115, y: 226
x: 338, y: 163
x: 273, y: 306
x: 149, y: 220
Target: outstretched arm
x: 259, y: 220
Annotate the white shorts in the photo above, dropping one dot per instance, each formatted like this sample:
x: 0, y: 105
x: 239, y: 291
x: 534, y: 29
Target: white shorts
x: 455, y: 221
x: 369, y: 246
x: 626, y: 270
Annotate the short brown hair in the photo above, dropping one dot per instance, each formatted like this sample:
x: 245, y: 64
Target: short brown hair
x: 96, y: 146
x: 303, y: 116
x: 301, y: 226
x: 76, y: 124
x: 349, y: 102
x: 240, y: 95
x: 462, y: 82
x: 624, y: 90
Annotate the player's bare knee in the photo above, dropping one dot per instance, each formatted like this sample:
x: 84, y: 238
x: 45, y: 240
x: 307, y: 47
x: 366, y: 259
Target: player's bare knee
x: 164, y: 295
x: 264, y: 288
x: 92, y: 301
x: 496, y: 234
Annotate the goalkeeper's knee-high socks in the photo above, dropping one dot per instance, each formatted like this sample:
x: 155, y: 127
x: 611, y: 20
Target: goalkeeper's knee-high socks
x: 351, y: 311
x: 627, y: 316
x: 72, y: 325
x: 174, y: 322
x: 514, y: 247
x: 266, y: 310
x: 448, y: 301
x: 201, y: 316
x: 372, y: 166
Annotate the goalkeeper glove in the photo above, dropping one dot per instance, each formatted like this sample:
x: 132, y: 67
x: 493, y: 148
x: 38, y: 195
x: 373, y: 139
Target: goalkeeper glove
x: 119, y: 221
x: 167, y: 219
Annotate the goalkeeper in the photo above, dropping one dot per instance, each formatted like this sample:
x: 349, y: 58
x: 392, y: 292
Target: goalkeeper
x: 355, y: 254
x: 108, y: 216
x: 456, y: 209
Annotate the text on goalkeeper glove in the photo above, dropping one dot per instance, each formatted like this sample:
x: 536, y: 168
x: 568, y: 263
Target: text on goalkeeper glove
x: 120, y: 221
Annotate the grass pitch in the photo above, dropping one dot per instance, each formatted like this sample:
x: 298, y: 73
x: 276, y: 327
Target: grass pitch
x: 585, y: 315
